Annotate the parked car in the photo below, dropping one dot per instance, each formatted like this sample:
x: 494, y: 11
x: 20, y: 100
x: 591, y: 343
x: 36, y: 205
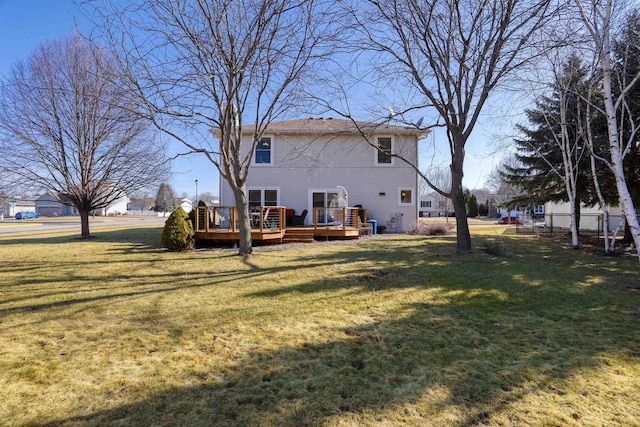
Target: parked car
x: 505, y: 220
x: 27, y: 215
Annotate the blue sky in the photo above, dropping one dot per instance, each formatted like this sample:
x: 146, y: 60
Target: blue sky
x: 26, y: 23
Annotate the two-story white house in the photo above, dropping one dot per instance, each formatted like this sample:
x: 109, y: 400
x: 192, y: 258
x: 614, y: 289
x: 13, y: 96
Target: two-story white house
x: 299, y: 164
x: 433, y: 204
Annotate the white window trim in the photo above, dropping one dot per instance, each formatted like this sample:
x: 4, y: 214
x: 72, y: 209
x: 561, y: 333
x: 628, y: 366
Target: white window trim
x: 413, y: 196
x: 253, y: 158
x: 376, y: 151
x: 262, y: 190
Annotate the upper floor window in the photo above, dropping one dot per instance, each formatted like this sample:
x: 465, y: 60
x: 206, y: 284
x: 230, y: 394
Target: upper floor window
x: 264, y: 153
x: 383, y: 153
x: 425, y: 203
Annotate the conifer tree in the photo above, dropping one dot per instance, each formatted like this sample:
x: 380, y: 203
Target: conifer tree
x: 541, y: 171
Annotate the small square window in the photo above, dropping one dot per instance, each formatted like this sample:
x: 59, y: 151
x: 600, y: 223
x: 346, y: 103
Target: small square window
x: 405, y: 197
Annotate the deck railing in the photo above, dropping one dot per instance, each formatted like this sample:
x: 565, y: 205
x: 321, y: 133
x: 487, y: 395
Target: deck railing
x: 273, y: 218
x: 342, y: 218
x: 263, y: 218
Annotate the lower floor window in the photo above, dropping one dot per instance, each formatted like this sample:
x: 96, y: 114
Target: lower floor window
x: 263, y: 197
x: 405, y: 196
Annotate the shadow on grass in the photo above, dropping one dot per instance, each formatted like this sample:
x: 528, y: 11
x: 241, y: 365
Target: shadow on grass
x: 498, y: 329
x: 147, y: 237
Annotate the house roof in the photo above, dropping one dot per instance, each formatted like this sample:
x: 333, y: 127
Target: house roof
x: 336, y: 126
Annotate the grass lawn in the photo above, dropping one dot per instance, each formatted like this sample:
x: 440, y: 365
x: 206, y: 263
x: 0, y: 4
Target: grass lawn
x: 394, y: 330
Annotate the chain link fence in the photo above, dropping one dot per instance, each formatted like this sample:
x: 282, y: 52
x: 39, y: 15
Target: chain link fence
x: 555, y: 223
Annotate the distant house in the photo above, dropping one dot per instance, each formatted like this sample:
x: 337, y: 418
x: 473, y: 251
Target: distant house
x: 22, y: 204
x: 300, y: 164
x: 116, y: 207
x: 186, y: 204
x: 59, y: 204
x: 433, y: 204
x: 536, y: 211
x: 55, y: 205
x: 559, y: 215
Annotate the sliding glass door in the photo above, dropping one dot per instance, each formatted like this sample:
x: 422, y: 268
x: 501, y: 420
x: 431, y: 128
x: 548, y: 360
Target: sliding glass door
x: 322, y: 199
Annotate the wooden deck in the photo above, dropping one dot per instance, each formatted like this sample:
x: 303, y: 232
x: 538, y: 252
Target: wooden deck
x: 219, y: 225
x: 225, y: 235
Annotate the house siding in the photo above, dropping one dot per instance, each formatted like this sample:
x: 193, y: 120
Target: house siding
x: 303, y: 163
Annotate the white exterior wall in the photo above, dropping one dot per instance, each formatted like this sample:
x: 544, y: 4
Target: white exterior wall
x: 560, y: 215
x: 302, y: 164
x: 186, y: 205
x: 564, y: 208
x: 118, y: 206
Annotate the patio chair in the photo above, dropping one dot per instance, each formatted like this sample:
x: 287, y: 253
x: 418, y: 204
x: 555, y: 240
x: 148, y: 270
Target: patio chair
x: 299, y: 219
x: 289, y: 214
x: 364, y: 228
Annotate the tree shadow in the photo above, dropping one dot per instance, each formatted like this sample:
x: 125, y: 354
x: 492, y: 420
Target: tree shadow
x: 141, y: 237
x: 492, y: 334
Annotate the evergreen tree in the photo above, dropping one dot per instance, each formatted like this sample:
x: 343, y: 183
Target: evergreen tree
x: 483, y: 209
x: 178, y: 232
x: 541, y: 168
x: 165, y: 198
x: 472, y: 206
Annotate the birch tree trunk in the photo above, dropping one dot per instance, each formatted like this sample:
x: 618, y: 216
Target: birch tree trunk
x: 598, y: 20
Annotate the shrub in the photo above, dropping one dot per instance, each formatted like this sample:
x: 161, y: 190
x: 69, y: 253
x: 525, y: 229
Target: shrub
x: 178, y: 232
x: 432, y: 229
x: 494, y: 248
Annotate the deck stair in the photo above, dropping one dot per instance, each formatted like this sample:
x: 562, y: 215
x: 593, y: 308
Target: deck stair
x: 298, y: 235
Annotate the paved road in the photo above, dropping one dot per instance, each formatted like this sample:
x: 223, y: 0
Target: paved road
x: 39, y: 225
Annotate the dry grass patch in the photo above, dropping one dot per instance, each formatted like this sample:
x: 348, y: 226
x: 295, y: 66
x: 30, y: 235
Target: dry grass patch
x: 388, y: 331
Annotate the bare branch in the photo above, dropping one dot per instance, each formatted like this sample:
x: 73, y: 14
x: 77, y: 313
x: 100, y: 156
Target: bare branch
x: 73, y: 129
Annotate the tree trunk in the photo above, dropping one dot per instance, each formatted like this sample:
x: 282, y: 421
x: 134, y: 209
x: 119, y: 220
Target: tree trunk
x: 463, y: 237
x: 578, y: 214
x: 575, y: 215
x: 615, y: 149
x: 244, y: 221
x: 628, y: 237
x: 84, y: 223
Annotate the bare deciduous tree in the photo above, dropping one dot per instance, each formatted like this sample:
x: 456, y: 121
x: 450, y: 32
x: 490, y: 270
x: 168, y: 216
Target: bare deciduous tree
x: 441, y: 178
x: 203, y: 66
x: 70, y: 126
x: 598, y: 18
x: 502, y: 190
x: 453, y: 54
x: 567, y: 132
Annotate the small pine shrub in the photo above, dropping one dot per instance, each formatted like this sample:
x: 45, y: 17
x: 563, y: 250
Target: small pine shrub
x: 178, y: 232
x: 494, y: 248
